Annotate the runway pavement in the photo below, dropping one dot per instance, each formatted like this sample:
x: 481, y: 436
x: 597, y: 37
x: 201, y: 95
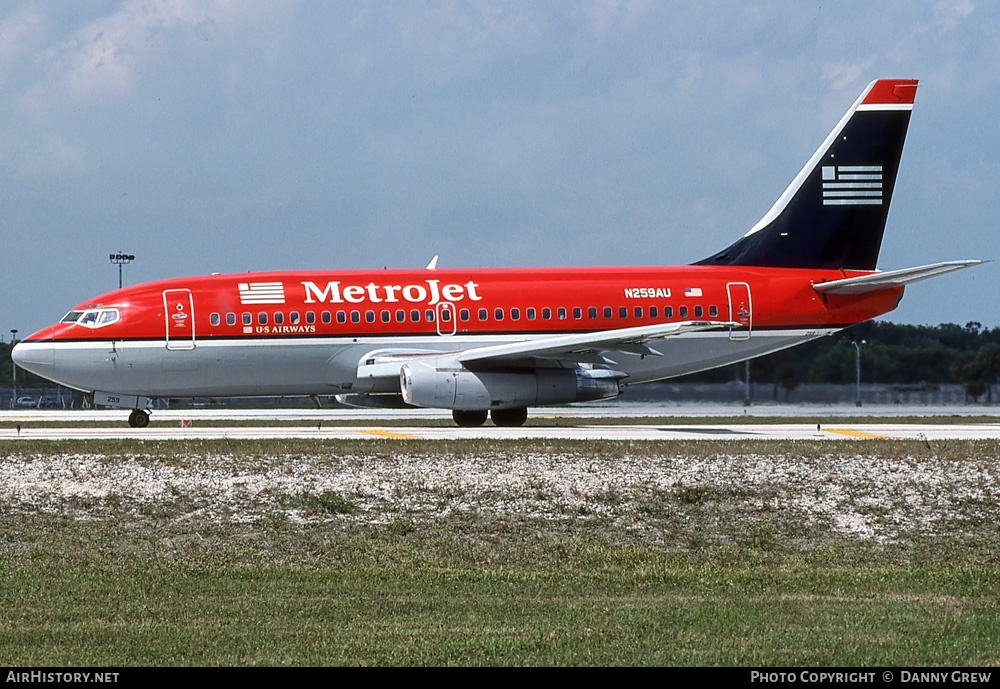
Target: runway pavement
x: 561, y: 423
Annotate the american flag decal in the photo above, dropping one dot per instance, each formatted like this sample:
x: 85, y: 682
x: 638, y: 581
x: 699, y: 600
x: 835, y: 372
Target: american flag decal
x: 692, y: 292
x: 852, y: 185
x: 262, y: 293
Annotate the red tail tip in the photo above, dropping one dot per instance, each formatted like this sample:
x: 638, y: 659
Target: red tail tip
x: 892, y: 91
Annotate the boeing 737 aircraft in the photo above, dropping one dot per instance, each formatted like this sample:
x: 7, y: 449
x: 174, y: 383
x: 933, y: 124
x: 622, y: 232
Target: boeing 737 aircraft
x: 493, y: 342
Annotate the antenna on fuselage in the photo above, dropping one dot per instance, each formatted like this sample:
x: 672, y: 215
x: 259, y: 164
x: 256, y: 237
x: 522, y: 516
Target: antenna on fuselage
x: 433, y: 264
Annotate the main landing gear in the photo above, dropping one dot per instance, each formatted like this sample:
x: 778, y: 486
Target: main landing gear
x: 501, y: 417
x: 139, y: 418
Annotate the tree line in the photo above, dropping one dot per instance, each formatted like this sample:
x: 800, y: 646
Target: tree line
x: 890, y: 354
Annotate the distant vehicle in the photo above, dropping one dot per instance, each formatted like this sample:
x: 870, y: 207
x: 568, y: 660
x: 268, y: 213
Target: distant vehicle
x: 49, y: 402
x: 25, y: 401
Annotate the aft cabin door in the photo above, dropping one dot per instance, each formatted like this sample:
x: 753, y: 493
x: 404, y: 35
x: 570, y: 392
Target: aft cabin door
x: 740, y: 310
x: 178, y: 315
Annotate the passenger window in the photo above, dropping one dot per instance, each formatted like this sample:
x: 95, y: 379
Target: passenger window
x: 342, y: 317
x: 561, y: 312
x: 637, y: 311
x: 293, y: 317
x: 214, y: 319
x: 592, y: 313
x: 400, y: 316
x: 668, y: 311
x: 262, y: 318
x: 386, y: 316
x: 247, y: 319
x: 446, y: 315
x: 713, y: 312
x: 430, y: 315
x: 546, y: 313
x: 498, y: 314
x: 515, y: 314
x: 697, y: 312
x: 530, y: 314
x: 279, y: 318
x: 414, y: 316
x: 653, y: 313
x: 577, y: 313
x: 464, y: 314
x: 370, y: 316
x: 608, y: 312
x: 683, y: 312
x: 310, y: 317
x: 483, y: 314
x: 355, y: 316
x: 230, y: 318
x: 623, y: 312
x: 326, y: 317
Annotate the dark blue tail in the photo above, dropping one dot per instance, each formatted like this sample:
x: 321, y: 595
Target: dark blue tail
x: 833, y: 213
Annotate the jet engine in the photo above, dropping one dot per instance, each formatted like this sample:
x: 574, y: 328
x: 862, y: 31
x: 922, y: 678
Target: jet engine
x: 455, y: 387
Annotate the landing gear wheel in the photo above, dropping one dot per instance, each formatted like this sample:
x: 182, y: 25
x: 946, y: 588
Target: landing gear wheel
x: 509, y: 417
x: 469, y: 419
x: 138, y: 418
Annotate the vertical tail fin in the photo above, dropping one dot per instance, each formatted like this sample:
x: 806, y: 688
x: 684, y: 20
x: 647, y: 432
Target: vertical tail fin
x: 833, y: 213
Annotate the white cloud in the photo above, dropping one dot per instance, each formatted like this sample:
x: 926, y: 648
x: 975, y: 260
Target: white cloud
x: 845, y: 74
x: 109, y: 54
x: 18, y: 35
x: 949, y: 13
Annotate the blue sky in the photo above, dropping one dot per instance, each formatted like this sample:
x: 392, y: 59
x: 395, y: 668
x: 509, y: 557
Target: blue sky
x: 220, y: 136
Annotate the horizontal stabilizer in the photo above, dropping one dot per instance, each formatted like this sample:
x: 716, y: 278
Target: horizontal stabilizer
x: 890, y: 279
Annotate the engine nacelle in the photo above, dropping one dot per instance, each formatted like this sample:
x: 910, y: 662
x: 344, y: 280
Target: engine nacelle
x: 437, y: 387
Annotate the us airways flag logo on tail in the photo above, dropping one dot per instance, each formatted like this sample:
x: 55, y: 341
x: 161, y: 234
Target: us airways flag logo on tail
x: 262, y: 293
x: 852, y: 185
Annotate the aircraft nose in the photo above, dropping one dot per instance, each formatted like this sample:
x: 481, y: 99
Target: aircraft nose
x: 37, y: 357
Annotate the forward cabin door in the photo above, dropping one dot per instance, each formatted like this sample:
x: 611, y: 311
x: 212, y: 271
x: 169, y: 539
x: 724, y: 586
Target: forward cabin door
x: 740, y: 310
x: 178, y: 316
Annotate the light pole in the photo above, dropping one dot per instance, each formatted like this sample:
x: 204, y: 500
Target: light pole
x: 857, y: 369
x: 121, y: 259
x: 13, y: 337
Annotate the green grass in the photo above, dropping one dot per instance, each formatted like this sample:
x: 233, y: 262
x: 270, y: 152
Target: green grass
x: 375, y: 601
x: 717, y: 575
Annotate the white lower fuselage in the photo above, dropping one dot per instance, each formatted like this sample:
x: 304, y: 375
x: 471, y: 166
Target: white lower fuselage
x: 329, y: 365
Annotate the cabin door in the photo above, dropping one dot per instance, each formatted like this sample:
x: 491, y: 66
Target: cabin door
x: 178, y: 316
x: 740, y: 310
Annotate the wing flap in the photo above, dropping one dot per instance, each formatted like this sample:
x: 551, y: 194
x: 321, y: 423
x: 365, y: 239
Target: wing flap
x: 575, y: 349
x: 581, y: 347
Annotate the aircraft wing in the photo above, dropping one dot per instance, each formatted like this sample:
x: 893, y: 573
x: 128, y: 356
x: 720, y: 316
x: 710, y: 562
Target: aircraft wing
x: 591, y: 347
x: 891, y: 278
x: 584, y: 347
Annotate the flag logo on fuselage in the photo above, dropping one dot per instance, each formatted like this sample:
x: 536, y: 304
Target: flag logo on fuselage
x: 262, y: 293
x: 852, y: 185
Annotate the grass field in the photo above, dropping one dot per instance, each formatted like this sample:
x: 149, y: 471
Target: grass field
x: 118, y: 553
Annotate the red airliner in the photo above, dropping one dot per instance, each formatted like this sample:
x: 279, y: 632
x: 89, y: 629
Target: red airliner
x: 493, y: 342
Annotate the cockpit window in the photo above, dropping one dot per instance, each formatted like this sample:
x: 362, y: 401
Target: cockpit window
x: 92, y: 318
